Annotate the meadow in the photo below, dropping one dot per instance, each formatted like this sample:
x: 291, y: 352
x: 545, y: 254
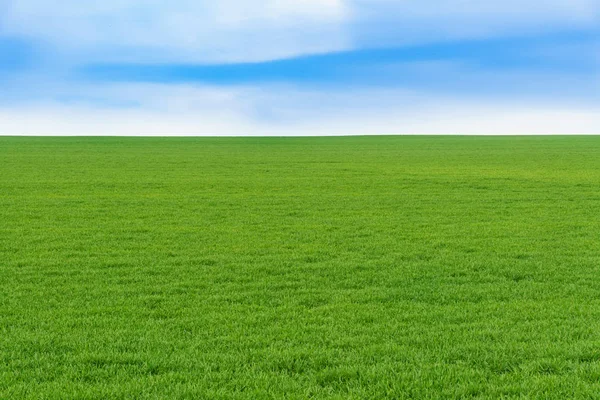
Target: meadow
x: 325, y: 268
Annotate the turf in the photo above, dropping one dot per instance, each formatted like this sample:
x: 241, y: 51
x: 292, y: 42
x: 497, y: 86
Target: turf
x: 364, y: 268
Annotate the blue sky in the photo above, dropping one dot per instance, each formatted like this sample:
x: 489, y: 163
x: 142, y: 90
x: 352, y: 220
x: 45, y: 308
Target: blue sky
x: 299, y: 67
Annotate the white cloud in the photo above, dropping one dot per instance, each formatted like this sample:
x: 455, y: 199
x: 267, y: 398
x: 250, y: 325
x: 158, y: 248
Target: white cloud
x: 251, y: 30
x: 183, y: 30
x: 182, y: 110
x: 247, y: 30
x: 278, y: 11
x: 583, y: 10
x: 472, y: 119
x: 387, y: 22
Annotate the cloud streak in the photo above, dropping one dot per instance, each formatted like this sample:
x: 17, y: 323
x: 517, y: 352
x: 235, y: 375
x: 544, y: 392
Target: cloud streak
x: 471, y: 119
x: 225, y: 30
x: 247, y: 30
x: 299, y: 67
x: 406, y: 66
x: 183, y: 110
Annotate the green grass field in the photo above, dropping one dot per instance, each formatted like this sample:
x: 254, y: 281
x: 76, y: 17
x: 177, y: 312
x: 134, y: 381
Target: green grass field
x: 363, y: 268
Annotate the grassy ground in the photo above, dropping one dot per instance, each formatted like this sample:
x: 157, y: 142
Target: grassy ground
x: 389, y: 267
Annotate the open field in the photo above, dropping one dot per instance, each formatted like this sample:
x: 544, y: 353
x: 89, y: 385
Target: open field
x: 398, y: 267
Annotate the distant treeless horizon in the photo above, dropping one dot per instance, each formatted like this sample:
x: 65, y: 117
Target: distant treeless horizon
x: 362, y: 267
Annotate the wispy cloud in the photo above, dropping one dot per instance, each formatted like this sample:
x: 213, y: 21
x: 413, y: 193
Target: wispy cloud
x: 392, y: 22
x: 247, y: 30
x: 418, y: 65
x: 181, y: 109
x: 185, y: 30
x: 299, y: 67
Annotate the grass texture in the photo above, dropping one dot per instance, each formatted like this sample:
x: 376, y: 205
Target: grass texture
x: 326, y: 268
